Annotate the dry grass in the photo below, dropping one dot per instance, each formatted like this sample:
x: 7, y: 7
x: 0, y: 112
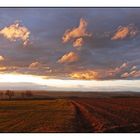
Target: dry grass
x: 112, y: 114
x: 36, y: 116
x: 71, y: 115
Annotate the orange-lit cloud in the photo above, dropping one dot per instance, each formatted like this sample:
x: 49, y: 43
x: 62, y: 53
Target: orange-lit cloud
x: 78, y: 43
x: 131, y: 74
x: 2, y: 68
x: 125, y: 71
x: 8, y: 68
x: 69, y: 58
x: 76, y: 32
x: 16, y: 32
x: 34, y: 65
x: 118, y: 71
x: 121, y: 68
x: 1, y: 58
x: 123, y: 32
x: 85, y: 75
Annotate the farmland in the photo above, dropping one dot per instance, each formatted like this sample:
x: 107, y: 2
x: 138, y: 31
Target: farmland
x: 76, y: 114
x: 111, y: 115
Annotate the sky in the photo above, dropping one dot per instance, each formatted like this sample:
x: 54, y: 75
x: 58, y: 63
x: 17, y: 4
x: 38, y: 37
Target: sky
x: 74, y: 46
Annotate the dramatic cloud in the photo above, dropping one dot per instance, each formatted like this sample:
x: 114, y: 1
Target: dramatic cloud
x: 123, y: 32
x: 1, y: 58
x: 85, y: 74
x: 34, y: 65
x: 100, y: 73
x: 16, y: 32
x: 125, y: 71
x: 94, y: 48
x: 131, y: 74
x: 120, y: 69
x: 69, y: 58
x: 76, y: 32
x: 2, y: 68
x: 78, y: 43
x: 8, y: 68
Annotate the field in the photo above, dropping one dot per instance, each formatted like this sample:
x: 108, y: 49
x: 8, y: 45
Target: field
x: 110, y: 115
x: 71, y: 114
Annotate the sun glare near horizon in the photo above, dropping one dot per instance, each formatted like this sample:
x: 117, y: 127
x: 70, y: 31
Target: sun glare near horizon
x: 62, y: 83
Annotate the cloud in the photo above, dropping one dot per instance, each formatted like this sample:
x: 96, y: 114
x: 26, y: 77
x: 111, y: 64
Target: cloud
x: 85, y: 75
x: 133, y: 68
x: 2, y: 68
x: 16, y: 32
x: 34, y: 65
x: 78, y: 43
x: 120, y: 69
x: 69, y: 58
x: 131, y: 74
x: 125, y: 31
x: 125, y: 71
x: 7, y: 68
x: 76, y: 32
x: 2, y: 58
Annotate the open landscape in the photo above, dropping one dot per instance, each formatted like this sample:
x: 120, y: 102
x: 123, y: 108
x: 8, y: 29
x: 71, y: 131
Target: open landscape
x: 56, y: 112
x: 68, y: 70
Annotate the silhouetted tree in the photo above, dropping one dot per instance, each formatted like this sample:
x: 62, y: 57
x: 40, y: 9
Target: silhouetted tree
x: 9, y: 94
x: 1, y: 95
x: 23, y: 95
x: 29, y: 94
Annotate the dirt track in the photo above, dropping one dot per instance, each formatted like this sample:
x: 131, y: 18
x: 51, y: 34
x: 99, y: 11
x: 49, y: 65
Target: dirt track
x: 100, y: 118
x: 71, y: 115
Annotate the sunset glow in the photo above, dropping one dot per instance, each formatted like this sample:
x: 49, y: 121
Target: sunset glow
x: 89, y: 85
x: 69, y: 69
x: 75, y: 49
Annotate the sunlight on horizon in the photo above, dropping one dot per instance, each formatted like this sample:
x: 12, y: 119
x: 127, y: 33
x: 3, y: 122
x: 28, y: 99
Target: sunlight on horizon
x: 72, y: 84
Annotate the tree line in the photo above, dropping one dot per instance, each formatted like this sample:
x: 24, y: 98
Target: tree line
x: 10, y: 94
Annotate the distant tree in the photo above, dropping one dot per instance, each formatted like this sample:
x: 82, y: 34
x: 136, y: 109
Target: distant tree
x: 1, y: 95
x: 28, y: 94
x: 9, y: 94
x: 23, y: 95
